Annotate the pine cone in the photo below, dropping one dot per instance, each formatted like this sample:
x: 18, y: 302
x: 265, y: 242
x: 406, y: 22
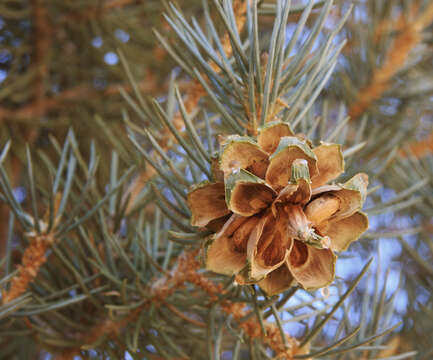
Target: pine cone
x: 277, y: 222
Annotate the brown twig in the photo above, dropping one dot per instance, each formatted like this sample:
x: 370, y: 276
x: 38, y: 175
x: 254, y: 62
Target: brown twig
x: 392, y: 347
x: 387, y: 25
x: 408, y: 37
x: 186, y: 272
x: 420, y: 148
x: 33, y: 258
x: 41, y: 44
x: 81, y: 92
x: 184, y: 317
x: 95, y: 12
x: 159, y: 290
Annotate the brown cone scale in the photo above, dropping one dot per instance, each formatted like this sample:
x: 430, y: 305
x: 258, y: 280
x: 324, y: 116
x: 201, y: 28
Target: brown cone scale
x: 285, y: 219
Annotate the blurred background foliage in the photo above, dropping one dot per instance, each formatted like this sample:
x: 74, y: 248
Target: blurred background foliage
x: 73, y: 74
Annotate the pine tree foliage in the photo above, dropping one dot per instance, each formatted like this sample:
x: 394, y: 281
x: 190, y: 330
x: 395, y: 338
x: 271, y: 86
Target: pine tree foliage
x: 101, y: 259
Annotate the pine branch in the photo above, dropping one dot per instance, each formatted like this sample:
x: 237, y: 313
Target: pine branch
x: 162, y: 288
x: 42, y: 41
x: 33, y: 258
x: 78, y: 93
x: 96, y: 12
x: 409, y: 36
x: 420, y: 148
x: 124, y: 273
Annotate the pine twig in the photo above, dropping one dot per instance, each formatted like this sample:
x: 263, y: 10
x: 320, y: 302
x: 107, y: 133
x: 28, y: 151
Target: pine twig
x: 420, y: 148
x: 96, y: 12
x: 32, y: 260
x: 196, y: 91
x: 162, y: 288
x: 406, y: 40
x: 77, y: 93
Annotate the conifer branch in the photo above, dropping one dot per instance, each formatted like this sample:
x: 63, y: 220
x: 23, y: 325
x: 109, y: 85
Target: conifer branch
x: 33, y: 258
x: 408, y: 37
x: 420, y: 148
x: 129, y: 242
x: 78, y: 93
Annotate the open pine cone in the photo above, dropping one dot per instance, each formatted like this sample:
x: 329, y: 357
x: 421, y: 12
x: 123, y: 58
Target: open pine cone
x: 277, y: 222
